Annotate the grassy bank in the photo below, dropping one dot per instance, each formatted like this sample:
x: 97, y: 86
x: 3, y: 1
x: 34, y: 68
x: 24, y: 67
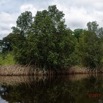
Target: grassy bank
x: 7, y: 59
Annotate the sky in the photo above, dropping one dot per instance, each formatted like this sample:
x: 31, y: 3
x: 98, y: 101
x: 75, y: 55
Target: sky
x: 77, y: 12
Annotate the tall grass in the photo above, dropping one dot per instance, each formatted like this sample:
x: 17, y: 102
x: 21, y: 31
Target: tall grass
x: 18, y: 70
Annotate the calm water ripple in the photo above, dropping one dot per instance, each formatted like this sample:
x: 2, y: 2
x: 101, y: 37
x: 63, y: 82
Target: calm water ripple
x: 62, y: 89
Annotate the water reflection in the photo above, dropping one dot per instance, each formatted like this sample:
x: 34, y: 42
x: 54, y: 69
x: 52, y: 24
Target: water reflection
x: 65, y: 89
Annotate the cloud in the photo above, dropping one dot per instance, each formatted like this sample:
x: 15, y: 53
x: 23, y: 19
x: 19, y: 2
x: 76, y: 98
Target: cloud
x: 77, y: 18
x: 7, y: 20
x: 28, y: 7
x: 2, y: 2
x: 77, y: 12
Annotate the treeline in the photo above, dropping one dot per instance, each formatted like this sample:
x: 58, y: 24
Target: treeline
x: 45, y: 41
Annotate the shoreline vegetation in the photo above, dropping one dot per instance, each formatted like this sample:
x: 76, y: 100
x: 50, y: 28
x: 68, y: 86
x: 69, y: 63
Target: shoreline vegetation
x: 19, y: 70
x: 44, y: 45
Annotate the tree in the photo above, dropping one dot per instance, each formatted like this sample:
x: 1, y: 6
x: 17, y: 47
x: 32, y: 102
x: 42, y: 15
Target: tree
x: 13, y: 40
x: 92, y: 26
x: 49, y: 43
x: 77, y: 33
x: 89, y: 50
x: 24, y: 22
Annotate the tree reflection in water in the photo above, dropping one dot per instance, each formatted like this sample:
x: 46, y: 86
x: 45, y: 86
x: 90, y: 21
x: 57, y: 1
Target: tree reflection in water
x: 54, y: 90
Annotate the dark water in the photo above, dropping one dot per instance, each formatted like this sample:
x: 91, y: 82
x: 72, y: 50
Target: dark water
x: 64, y: 89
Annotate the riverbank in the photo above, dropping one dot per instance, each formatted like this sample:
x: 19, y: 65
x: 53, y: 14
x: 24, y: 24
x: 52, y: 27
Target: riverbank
x: 18, y: 70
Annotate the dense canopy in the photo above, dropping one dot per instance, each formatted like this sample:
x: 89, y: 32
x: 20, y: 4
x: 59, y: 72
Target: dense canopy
x: 45, y: 41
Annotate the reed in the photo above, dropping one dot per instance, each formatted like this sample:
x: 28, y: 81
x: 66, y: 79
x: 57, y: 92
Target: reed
x: 17, y: 70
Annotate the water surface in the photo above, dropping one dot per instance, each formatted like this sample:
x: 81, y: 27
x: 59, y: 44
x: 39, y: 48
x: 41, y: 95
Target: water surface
x: 61, y: 89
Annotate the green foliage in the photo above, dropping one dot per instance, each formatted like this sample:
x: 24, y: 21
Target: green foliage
x: 92, y: 26
x: 7, y: 59
x: 24, y: 22
x: 89, y: 50
x: 48, y: 43
x: 77, y: 33
x: 45, y: 41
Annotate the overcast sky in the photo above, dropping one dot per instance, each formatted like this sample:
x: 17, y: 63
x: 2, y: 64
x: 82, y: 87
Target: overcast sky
x: 77, y: 12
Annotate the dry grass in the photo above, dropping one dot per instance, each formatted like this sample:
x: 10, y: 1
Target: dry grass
x: 80, y: 70
x: 20, y: 70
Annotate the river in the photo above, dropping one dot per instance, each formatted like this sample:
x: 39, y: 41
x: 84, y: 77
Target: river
x: 58, y: 89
